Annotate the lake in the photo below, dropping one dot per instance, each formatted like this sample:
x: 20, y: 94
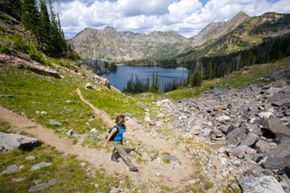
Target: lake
x: 120, y: 78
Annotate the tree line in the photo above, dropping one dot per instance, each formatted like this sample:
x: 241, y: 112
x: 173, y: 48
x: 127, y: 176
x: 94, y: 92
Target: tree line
x: 39, y: 18
x: 218, y: 66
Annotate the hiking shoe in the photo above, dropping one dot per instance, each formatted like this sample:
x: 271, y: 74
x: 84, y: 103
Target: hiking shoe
x: 114, y: 159
x: 133, y: 169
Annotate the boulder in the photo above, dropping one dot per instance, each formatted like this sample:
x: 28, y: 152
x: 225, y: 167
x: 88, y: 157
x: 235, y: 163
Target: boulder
x: 53, y: 122
x: 40, y: 165
x: 11, y: 141
x: 252, y: 168
x: 264, y: 184
x: 250, y: 139
x: 221, y: 107
x: 10, y: 169
x: 276, y: 127
x: 265, y: 115
x: 262, y: 146
x: 278, y: 157
x: 89, y: 85
x: 235, y: 136
x: 41, y: 186
x: 223, y: 118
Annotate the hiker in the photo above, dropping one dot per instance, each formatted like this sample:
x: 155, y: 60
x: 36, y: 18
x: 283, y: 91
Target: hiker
x: 116, y: 136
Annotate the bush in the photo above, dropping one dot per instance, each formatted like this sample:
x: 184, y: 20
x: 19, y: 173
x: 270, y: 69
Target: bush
x: 5, y: 49
x: 34, y: 54
x: 19, y: 44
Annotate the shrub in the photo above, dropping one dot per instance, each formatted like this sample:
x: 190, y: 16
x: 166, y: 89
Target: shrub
x: 34, y: 54
x: 5, y: 49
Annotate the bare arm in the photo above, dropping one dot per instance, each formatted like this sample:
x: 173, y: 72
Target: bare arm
x: 114, y: 130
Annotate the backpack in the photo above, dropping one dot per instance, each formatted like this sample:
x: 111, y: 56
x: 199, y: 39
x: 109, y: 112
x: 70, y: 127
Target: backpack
x: 110, y: 130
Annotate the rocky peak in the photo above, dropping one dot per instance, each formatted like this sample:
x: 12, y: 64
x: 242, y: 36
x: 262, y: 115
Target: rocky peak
x: 110, y: 29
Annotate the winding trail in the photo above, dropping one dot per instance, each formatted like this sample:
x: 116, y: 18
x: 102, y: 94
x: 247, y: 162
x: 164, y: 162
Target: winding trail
x: 151, y: 173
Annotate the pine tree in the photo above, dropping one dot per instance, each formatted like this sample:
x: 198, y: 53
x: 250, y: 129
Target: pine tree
x: 44, y: 27
x: 30, y: 16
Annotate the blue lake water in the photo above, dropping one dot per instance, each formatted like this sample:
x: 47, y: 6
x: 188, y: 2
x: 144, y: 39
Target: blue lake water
x: 120, y: 78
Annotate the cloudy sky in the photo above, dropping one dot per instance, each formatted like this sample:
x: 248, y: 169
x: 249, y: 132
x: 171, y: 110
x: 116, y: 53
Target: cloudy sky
x: 186, y: 17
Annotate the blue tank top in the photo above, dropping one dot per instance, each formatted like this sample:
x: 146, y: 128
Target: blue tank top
x: 119, y: 133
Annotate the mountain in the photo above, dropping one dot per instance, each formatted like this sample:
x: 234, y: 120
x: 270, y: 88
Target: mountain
x: 250, y: 33
x: 217, y: 29
x: 109, y: 44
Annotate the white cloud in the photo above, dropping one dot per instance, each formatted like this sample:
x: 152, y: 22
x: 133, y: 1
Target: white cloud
x: 187, y: 17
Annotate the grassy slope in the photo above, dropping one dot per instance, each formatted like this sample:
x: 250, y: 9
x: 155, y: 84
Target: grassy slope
x: 71, y: 175
x: 58, y: 98
x: 237, y: 79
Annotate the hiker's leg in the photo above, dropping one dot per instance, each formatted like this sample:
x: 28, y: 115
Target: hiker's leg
x: 115, y: 155
x: 123, y: 155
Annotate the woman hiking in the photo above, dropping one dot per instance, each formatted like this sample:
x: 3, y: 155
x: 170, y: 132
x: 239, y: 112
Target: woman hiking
x: 116, y: 136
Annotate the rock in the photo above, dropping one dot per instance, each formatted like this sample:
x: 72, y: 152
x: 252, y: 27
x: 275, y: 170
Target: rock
x: 278, y: 157
x: 89, y: 85
x: 40, y: 165
x: 236, y: 136
x: 250, y: 139
x: 53, y: 122
x: 10, y: 169
x: 94, y: 131
x: 6, y: 96
x: 262, y: 146
x: 115, y: 190
x: 171, y: 158
x: 223, y: 118
x: 265, y: 115
x: 141, y: 105
x: 72, y: 133
x: 42, y: 186
x: 221, y: 107
x: 30, y: 158
x: 11, y: 141
x: 252, y: 168
x: 264, y: 184
x: 276, y: 127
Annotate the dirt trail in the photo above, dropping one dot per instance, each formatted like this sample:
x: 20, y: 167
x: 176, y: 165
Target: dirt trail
x: 151, y: 173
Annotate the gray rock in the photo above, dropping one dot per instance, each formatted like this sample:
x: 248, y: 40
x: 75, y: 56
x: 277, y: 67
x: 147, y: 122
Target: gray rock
x: 11, y: 141
x: 223, y: 118
x: 262, y: 146
x: 53, y: 122
x: 40, y: 165
x: 89, y: 85
x: 236, y: 136
x: 6, y: 96
x: 171, y: 158
x: 142, y: 105
x: 10, y: 169
x: 72, y: 133
x: 252, y: 168
x: 30, y: 158
x: 250, y: 139
x: 264, y: 184
x: 115, y: 190
x: 279, y: 157
x: 275, y: 126
x: 42, y: 186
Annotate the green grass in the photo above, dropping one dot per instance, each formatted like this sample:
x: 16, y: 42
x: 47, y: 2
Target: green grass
x: 113, y: 103
x: 70, y: 175
x: 236, y: 79
x: 57, y: 97
x: 244, y: 78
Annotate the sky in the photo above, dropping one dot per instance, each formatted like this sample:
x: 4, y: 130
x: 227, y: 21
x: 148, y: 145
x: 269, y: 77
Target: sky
x: 186, y: 17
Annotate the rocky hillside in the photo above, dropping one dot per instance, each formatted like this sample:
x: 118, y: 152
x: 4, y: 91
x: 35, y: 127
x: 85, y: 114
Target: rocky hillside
x: 109, y: 44
x: 217, y: 29
x: 252, y: 32
x: 248, y: 128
